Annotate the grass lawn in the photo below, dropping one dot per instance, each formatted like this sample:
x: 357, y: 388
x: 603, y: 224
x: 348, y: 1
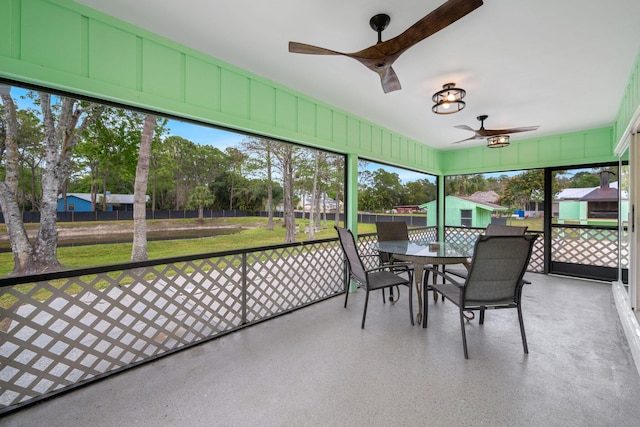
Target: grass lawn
x: 254, y: 235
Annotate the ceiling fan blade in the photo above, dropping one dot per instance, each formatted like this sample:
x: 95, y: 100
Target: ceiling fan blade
x: 382, y: 55
x: 495, y: 132
x: 295, y: 47
x: 440, y: 18
x: 521, y: 129
x: 468, y: 139
x: 389, y: 80
x: 465, y: 127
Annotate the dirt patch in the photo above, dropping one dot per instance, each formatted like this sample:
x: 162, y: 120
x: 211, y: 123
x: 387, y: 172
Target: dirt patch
x: 68, y: 230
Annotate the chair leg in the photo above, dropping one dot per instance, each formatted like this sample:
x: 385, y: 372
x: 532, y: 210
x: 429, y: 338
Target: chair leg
x: 482, y: 316
x: 524, y: 337
x: 383, y: 298
x: 364, y: 314
x: 411, y: 304
x: 425, y: 306
x: 464, y: 335
x: 346, y: 295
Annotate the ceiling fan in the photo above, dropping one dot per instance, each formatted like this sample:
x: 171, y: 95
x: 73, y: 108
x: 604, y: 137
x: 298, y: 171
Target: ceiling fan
x: 483, y: 133
x: 381, y: 56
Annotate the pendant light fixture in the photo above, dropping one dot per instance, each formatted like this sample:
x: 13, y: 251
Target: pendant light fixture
x: 498, y: 141
x: 448, y: 100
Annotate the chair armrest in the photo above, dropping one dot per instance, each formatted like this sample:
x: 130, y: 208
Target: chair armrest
x: 403, y: 267
x: 446, y: 277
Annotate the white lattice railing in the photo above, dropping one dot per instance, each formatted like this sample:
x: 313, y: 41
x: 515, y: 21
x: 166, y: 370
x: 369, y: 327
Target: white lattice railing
x: 64, y: 329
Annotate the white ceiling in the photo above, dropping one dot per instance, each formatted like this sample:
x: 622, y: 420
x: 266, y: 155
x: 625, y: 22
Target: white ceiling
x: 559, y: 64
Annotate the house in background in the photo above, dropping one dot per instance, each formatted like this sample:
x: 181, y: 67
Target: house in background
x: 594, y: 205
x: 470, y: 211
x: 407, y: 209
x: 81, y: 202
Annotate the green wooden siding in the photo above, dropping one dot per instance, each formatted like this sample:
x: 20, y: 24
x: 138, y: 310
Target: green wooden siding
x: 66, y: 46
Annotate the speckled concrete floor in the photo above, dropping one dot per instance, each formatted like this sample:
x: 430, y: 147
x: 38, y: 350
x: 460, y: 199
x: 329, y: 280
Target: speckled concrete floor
x: 317, y: 367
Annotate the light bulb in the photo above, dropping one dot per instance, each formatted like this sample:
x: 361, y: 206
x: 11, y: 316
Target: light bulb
x: 451, y: 97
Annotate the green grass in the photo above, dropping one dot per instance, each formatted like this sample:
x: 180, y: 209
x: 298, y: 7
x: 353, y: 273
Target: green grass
x: 253, y: 234
x: 116, y: 253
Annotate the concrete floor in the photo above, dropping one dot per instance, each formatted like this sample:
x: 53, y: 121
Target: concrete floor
x: 317, y: 367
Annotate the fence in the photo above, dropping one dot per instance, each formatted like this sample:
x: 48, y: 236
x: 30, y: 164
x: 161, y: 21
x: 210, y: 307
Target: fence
x: 63, y: 330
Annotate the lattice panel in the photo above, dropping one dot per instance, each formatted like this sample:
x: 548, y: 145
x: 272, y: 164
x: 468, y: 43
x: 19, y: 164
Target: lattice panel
x: 624, y: 249
x: 470, y: 235
x: 462, y: 235
x: 429, y: 234
x: 588, y: 246
x: 61, y: 332
x: 281, y: 279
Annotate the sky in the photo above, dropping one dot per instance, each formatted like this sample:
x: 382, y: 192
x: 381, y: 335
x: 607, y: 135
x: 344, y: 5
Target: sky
x: 221, y: 139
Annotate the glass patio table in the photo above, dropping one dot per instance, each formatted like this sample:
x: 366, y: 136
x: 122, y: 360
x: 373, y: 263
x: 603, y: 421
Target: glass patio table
x: 421, y: 253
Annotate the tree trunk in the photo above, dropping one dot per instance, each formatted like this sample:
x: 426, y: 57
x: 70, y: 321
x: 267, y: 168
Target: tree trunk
x: 313, y: 211
x: 20, y: 245
x: 289, y: 214
x: 269, y: 191
x: 139, y: 250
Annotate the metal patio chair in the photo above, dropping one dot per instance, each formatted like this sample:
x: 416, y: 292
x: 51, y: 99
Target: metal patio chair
x: 494, y: 280
x: 381, y: 277
x: 388, y: 231
x: 492, y: 230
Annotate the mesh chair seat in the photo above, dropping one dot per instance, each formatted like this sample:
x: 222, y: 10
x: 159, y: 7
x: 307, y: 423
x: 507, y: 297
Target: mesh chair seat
x: 494, y: 280
x: 378, y: 278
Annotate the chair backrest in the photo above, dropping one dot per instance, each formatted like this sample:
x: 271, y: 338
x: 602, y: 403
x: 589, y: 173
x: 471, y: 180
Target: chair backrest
x: 348, y: 243
x: 392, y: 230
x: 497, y: 267
x: 504, y: 230
x: 389, y: 231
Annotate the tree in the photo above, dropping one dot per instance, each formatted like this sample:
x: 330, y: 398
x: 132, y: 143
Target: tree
x: 585, y: 180
x: 285, y: 157
x: 465, y: 185
x: 201, y: 197
x: 139, y: 248
x: 419, y: 192
x: 261, y: 149
x: 523, y: 188
x: 235, y: 160
x: 62, y: 132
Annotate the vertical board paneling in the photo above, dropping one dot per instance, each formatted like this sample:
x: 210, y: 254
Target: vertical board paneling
x: 112, y: 43
x: 57, y: 43
x: 234, y: 89
x: 324, y: 118
x: 353, y: 134
x: 570, y: 145
x: 598, y: 143
x: 202, y: 80
x: 385, y: 150
x: 307, y: 117
x: 630, y: 102
x: 45, y: 43
x: 549, y: 149
x: 556, y: 150
x: 365, y: 137
x: 286, y: 110
x: 7, y: 35
x: 263, y: 103
x: 376, y: 142
x: 339, y: 128
x: 162, y: 71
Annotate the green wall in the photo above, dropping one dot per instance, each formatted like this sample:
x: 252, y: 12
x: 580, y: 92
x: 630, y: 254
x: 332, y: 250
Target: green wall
x: 590, y: 146
x: 630, y: 102
x: 66, y: 46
